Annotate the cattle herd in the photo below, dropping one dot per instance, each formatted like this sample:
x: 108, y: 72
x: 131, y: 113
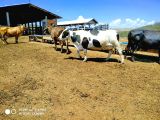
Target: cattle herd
x: 94, y: 39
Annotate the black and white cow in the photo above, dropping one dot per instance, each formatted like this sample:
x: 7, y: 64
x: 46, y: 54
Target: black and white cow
x: 103, y: 40
x: 143, y: 39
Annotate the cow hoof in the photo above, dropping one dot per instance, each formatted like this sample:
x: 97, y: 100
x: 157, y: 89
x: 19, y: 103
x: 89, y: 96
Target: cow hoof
x: 79, y: 57
x: 84, y: 60
x: 107, y: 59
x: 68, y: 52
x: 5, y: 43
x: 132, y: 59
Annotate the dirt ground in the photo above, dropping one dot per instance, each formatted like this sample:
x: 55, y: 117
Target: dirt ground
x: 39, y: 83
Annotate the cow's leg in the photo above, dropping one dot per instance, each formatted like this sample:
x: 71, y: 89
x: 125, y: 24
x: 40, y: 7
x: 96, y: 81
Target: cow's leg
x: 55, y: 43
x: 132, y: 56
x: 67, y: 48
x: 109, y: 55
x: 16, y: 39
x: 125, y: 53
x: 5, y: 40
x: 85, y: 55
x: 61, y: 44
x: 120, y: 53
x: 78, y: 49
x: 78, y: 53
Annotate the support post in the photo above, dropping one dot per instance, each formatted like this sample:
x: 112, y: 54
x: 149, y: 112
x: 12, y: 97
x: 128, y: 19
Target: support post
x: 28, y: 28
x: 8, y: 20
x: 32, y: 28
x: 40, y: 26
x: 46, y: 21
x: 36, y: 28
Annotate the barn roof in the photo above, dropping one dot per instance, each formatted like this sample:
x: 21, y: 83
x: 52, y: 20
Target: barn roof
x: 24, y: 13
x: 79, y: 21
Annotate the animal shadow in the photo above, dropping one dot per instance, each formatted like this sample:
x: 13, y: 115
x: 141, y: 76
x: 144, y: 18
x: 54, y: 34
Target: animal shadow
x: 63, y: 51
x: 10, y: 43
x: 145, y: 58
x: 94, y: 59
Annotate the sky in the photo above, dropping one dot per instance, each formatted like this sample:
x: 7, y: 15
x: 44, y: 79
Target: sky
x: 116, y: 13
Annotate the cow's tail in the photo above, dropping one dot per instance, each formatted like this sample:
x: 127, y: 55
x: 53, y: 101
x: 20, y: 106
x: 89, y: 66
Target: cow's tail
x: 117, y: 36
x: 117, y: 43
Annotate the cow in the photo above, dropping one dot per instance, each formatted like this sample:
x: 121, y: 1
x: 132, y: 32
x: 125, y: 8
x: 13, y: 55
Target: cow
x: 55, y: 33
x: 142, y: 39
x: 14, y: 32
x: 102, y: 40
x: 3, y: 30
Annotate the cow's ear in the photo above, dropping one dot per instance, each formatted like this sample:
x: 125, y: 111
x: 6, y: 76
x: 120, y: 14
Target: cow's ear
x: 138, y: 37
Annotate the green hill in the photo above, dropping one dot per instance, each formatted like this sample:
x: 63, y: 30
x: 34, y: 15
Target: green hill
x: 151, y: 27
x: 155, y: 27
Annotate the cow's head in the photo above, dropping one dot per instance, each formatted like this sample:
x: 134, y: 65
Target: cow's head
x: 133, y: 41
x: 25, y: 28
x: 22, y: 28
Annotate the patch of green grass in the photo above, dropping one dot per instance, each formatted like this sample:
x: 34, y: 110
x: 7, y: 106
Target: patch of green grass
x: 123, y: 33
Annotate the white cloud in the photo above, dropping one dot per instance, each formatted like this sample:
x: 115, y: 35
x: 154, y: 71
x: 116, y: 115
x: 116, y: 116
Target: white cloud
x: 135, y: 22
x: 80, y: 18
x: 151, y: 22
x: 130, y: 23
x: 116, y: 22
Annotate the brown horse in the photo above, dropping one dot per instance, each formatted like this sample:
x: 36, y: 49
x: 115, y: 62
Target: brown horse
x: 55, y: 33
x: 14, y: 32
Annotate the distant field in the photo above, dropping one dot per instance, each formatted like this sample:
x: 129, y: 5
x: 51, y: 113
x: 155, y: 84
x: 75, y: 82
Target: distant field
x: 151, y: 27
x: 156, y: 27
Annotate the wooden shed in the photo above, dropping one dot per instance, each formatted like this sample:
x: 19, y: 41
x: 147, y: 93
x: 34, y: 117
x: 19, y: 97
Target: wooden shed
x: 27, y: 14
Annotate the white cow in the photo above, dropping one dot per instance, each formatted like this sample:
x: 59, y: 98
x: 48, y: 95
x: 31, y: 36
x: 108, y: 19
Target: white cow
x: 103, y: 40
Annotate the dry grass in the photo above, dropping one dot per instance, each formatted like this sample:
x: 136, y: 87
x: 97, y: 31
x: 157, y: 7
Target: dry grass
x: 34, y: 75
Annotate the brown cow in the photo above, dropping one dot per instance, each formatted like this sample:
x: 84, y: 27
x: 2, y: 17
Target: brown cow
x: 55, y: 33
x: 14, y: 32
